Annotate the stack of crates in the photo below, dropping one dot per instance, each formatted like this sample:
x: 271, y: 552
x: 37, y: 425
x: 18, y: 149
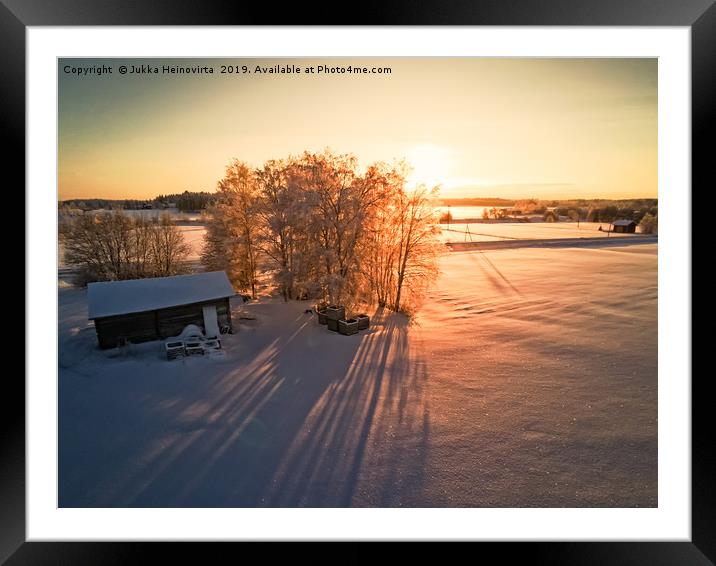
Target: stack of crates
x: 334, y: 317
x: 334, y: 313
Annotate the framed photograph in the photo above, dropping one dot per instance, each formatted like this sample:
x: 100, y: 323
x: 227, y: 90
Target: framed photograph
x: 401, y: 280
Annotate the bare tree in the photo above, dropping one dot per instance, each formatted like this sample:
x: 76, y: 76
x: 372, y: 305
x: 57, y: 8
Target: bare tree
x: 113, y: 246
x: 168, y: 250
x: 102, y: 245
x: 550, y: 216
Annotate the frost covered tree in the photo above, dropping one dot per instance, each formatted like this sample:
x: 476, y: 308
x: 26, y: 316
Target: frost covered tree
x: 321, y: 228
x: 231, y: 242
x: 418, y: 247
x: 401, y: 249
x: 283, y: 213
x: 379, y: 252
x: 341, y: 200
x: 214, y: 254
x: 649, y: 224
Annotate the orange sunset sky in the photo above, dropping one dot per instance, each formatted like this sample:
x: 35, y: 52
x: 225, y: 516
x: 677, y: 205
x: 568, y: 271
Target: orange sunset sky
x: 512, y: 128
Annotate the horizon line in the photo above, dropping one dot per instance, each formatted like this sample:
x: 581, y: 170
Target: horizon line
x: 59, y: 200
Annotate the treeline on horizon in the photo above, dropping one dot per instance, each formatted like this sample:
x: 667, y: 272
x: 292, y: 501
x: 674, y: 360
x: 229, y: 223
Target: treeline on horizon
x: 188, y: 201
x: 193, y: 201
x: 637, y: 203
x: 591, y: 210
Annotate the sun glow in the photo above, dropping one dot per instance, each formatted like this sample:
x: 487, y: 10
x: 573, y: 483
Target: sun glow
x: 431, y: 165
x: 482, y: 127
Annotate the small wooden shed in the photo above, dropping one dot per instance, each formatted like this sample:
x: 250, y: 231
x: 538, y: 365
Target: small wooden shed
x: 624, y: 226
x: 140, y: 310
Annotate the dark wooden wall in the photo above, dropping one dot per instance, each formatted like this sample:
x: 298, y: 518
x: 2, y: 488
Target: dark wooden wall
x: 155, y: 325
x: 139, y: 327
x: 630, y: 229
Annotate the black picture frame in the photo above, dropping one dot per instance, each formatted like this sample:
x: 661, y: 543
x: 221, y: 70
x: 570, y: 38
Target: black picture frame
x: 699, y: 15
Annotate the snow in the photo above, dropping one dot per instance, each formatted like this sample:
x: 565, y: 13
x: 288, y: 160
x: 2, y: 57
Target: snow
x: 493, y: 231
x: 194, y: 238
x: 461, y: 212
x: 194, y: 233
x: 173, y: 212
x: 529, y: 378
x: 112, y: 298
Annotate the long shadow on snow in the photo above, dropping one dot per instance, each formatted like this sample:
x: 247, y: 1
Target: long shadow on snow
x: 276, y: 434
x: 372, y: 424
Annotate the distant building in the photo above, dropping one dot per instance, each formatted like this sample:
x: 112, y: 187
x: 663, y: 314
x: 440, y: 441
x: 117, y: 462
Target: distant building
x: 140, y: 310
x: 624, y: 226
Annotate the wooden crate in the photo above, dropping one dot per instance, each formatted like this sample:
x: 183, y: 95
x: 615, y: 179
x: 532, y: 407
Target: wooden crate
x: 348, y: 327
x: 335, y: 312
x: 363, y: 321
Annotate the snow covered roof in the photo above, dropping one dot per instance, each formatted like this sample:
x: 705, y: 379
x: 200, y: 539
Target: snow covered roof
x: 623, y: 222
x: 112, y: 298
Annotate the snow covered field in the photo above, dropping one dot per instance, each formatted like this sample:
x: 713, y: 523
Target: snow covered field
x: 194, y: 232
x: 487, y: 232
x: 194, y: 237
x: 177, y: 215
x: 528, y: 379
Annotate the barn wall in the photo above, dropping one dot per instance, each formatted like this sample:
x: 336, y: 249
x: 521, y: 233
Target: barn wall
x: 172, y: 321
x: 139, y: 327
x: 155, y: 325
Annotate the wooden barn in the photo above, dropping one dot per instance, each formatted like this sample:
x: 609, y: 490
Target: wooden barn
x: 139, y: 310
x: 624, y: 226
